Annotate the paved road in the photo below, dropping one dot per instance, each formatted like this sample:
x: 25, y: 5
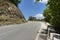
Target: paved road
x: 26, y: 31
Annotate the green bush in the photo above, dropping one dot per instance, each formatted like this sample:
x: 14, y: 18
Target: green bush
x: 15, y: 2
x: 54, y: 12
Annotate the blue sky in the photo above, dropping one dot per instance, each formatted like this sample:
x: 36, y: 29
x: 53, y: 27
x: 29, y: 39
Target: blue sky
x: 30, y: 8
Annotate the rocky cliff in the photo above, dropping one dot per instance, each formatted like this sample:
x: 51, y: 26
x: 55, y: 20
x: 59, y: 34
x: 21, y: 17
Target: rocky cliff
x: 9, y: 13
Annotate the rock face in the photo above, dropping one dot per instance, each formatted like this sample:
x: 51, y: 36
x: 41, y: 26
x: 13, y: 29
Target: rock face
x: 9, y: 13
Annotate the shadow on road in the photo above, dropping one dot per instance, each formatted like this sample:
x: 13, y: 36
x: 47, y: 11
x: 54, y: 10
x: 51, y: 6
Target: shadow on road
x: 43, y: 37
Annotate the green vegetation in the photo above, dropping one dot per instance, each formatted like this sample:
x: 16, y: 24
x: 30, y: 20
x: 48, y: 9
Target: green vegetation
x: 15, y: 2
x: 19, y: 1
x: 38, y: 0
x: 52, y: 12
x: 47, y: 15
x: 33, y: 19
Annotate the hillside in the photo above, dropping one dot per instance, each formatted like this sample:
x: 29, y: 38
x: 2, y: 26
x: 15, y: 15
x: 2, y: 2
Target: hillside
x: 9, y: 13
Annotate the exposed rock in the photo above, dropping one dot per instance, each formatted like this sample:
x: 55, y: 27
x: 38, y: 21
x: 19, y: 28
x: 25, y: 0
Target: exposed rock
x: 9, y: 13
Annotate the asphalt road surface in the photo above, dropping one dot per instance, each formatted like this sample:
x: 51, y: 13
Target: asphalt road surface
x: 26, y: 31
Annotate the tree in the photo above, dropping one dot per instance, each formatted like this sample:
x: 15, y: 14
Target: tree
x: 54, y: 6
x: 32, y: 18
x: 38, y: 0
x: 15, y: 2
x: 53, y: 10
x: 18, y: 1
x: 47, y: 15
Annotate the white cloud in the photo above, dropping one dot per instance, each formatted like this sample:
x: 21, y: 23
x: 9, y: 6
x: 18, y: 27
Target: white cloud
x: 42, y: 1
x: 34, y: 0
x: 39, y: 16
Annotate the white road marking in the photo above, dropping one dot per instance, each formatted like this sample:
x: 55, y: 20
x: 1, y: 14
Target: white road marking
x: 38, y: 33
